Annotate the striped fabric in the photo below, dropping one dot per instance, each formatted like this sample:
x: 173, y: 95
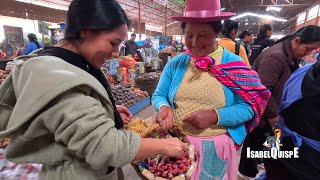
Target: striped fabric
x: 238, y: 77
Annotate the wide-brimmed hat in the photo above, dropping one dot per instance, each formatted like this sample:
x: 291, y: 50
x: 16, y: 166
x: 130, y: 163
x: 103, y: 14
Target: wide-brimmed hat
x: 197, y: 11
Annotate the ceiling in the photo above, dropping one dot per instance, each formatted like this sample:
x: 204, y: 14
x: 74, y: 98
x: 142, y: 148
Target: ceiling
x: 156, y: 15
x: 289, y: 10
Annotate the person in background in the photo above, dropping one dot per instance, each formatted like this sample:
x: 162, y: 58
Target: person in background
x: 300, y: 124
x: 32, y: 45
x: 261, y: 42
x: 198, y: 92
x: 275, y: 65
x: 245, y: 40
x: 68, y: 121
x: 131, y: 46
x: 230, y: 33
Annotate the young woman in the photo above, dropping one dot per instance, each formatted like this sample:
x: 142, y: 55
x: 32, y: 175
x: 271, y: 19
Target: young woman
x: 58, y: 110
x: 230, y: 32
x: 205, y: 93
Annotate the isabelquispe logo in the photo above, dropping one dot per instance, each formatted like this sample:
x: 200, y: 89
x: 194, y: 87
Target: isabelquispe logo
x: 273, y: 148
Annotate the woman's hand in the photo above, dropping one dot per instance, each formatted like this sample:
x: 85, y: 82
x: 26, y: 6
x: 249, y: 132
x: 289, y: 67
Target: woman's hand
x: 202, y: 120
x: 125, y: 114
x: 173, y: 147
x: 165, y: 118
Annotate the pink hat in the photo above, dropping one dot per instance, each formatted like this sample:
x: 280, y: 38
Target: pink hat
x: 198, y: 11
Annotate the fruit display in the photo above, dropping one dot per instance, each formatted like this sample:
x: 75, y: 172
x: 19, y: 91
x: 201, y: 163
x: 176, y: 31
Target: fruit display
x: 123, y: 95
x: 168, y: 49
x: 164, y: 167
x: 150, y: 76
x: 140, y: 95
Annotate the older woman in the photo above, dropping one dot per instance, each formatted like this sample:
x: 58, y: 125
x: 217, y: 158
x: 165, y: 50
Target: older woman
x: 58, y: 109
x: 210, y: 93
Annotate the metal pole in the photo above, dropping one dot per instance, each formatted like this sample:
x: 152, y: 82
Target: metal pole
x: 165, y: 21
x: 139, y: 21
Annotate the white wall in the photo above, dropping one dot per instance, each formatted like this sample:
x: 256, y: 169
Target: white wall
x: 28, y: 26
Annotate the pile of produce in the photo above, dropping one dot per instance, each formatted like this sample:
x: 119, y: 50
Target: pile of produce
x: 168, y: 49
x: 3, y: 75
x: 150, y: 76
x: 168, y: 167
x: 140, y: 95
x: 143, y: 127
x: 162, y: 167
x: 123, y: 95
x: 127, y: 61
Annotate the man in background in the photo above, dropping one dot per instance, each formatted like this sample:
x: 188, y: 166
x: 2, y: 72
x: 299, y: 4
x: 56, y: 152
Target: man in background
x: 131, y: 45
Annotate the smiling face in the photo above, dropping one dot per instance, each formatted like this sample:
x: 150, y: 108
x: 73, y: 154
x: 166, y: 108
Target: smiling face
x: 300, y: 50
x: 97, y: 47
x: 200, y: 39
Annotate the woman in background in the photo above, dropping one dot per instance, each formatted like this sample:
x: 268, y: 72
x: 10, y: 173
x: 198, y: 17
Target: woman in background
x: 230, y: 32
x: 32, y: 45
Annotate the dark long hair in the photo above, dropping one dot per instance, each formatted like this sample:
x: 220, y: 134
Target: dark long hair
x: 33, y: 38
x: 95, y: 15
x: 228, y: 26
x: 309, y: 34
x: 264, y: 29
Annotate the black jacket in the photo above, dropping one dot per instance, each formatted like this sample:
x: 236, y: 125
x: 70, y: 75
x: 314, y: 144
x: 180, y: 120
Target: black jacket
x: 260, y: 43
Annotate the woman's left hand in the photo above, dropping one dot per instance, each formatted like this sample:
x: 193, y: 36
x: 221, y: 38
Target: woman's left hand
x: 202, y: 120
x: 125, y: 114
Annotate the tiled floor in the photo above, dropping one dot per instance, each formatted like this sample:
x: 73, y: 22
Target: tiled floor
x: 149, y: 112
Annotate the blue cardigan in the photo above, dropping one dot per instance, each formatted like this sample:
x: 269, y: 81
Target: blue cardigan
x: 232, y: 116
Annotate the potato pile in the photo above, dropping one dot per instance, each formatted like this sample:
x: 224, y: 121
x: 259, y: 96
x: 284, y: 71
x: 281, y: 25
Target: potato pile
x: 123, y: 95
x: 150, y: 76
x: 141, y: 95
x: 3, y: 75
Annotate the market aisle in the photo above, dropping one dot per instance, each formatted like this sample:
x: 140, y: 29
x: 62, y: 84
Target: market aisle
x: 149, y: 112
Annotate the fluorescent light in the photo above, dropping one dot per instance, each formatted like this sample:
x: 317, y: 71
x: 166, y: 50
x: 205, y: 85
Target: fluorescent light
x: 258, y: 15
x: 246, y: 24
x: 273, y: 8
x: 222, y: 9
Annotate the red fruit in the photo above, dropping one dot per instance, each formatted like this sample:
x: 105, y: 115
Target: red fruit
x: 160, y: 169
x: 181, y: 171
x: 175, y: 172
x: 178, y: 162
x: 158, y: 173
x: 165, y: 167
x: 165, y: 174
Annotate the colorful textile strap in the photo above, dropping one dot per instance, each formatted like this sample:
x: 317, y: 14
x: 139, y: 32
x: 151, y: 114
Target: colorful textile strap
x: 239, y: 78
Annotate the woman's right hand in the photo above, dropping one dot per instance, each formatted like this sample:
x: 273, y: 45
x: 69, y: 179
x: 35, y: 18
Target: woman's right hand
x: 165, y: 118
x: 173, y: 147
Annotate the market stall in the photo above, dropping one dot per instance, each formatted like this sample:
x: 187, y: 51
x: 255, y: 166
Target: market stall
x: 132, y: 86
